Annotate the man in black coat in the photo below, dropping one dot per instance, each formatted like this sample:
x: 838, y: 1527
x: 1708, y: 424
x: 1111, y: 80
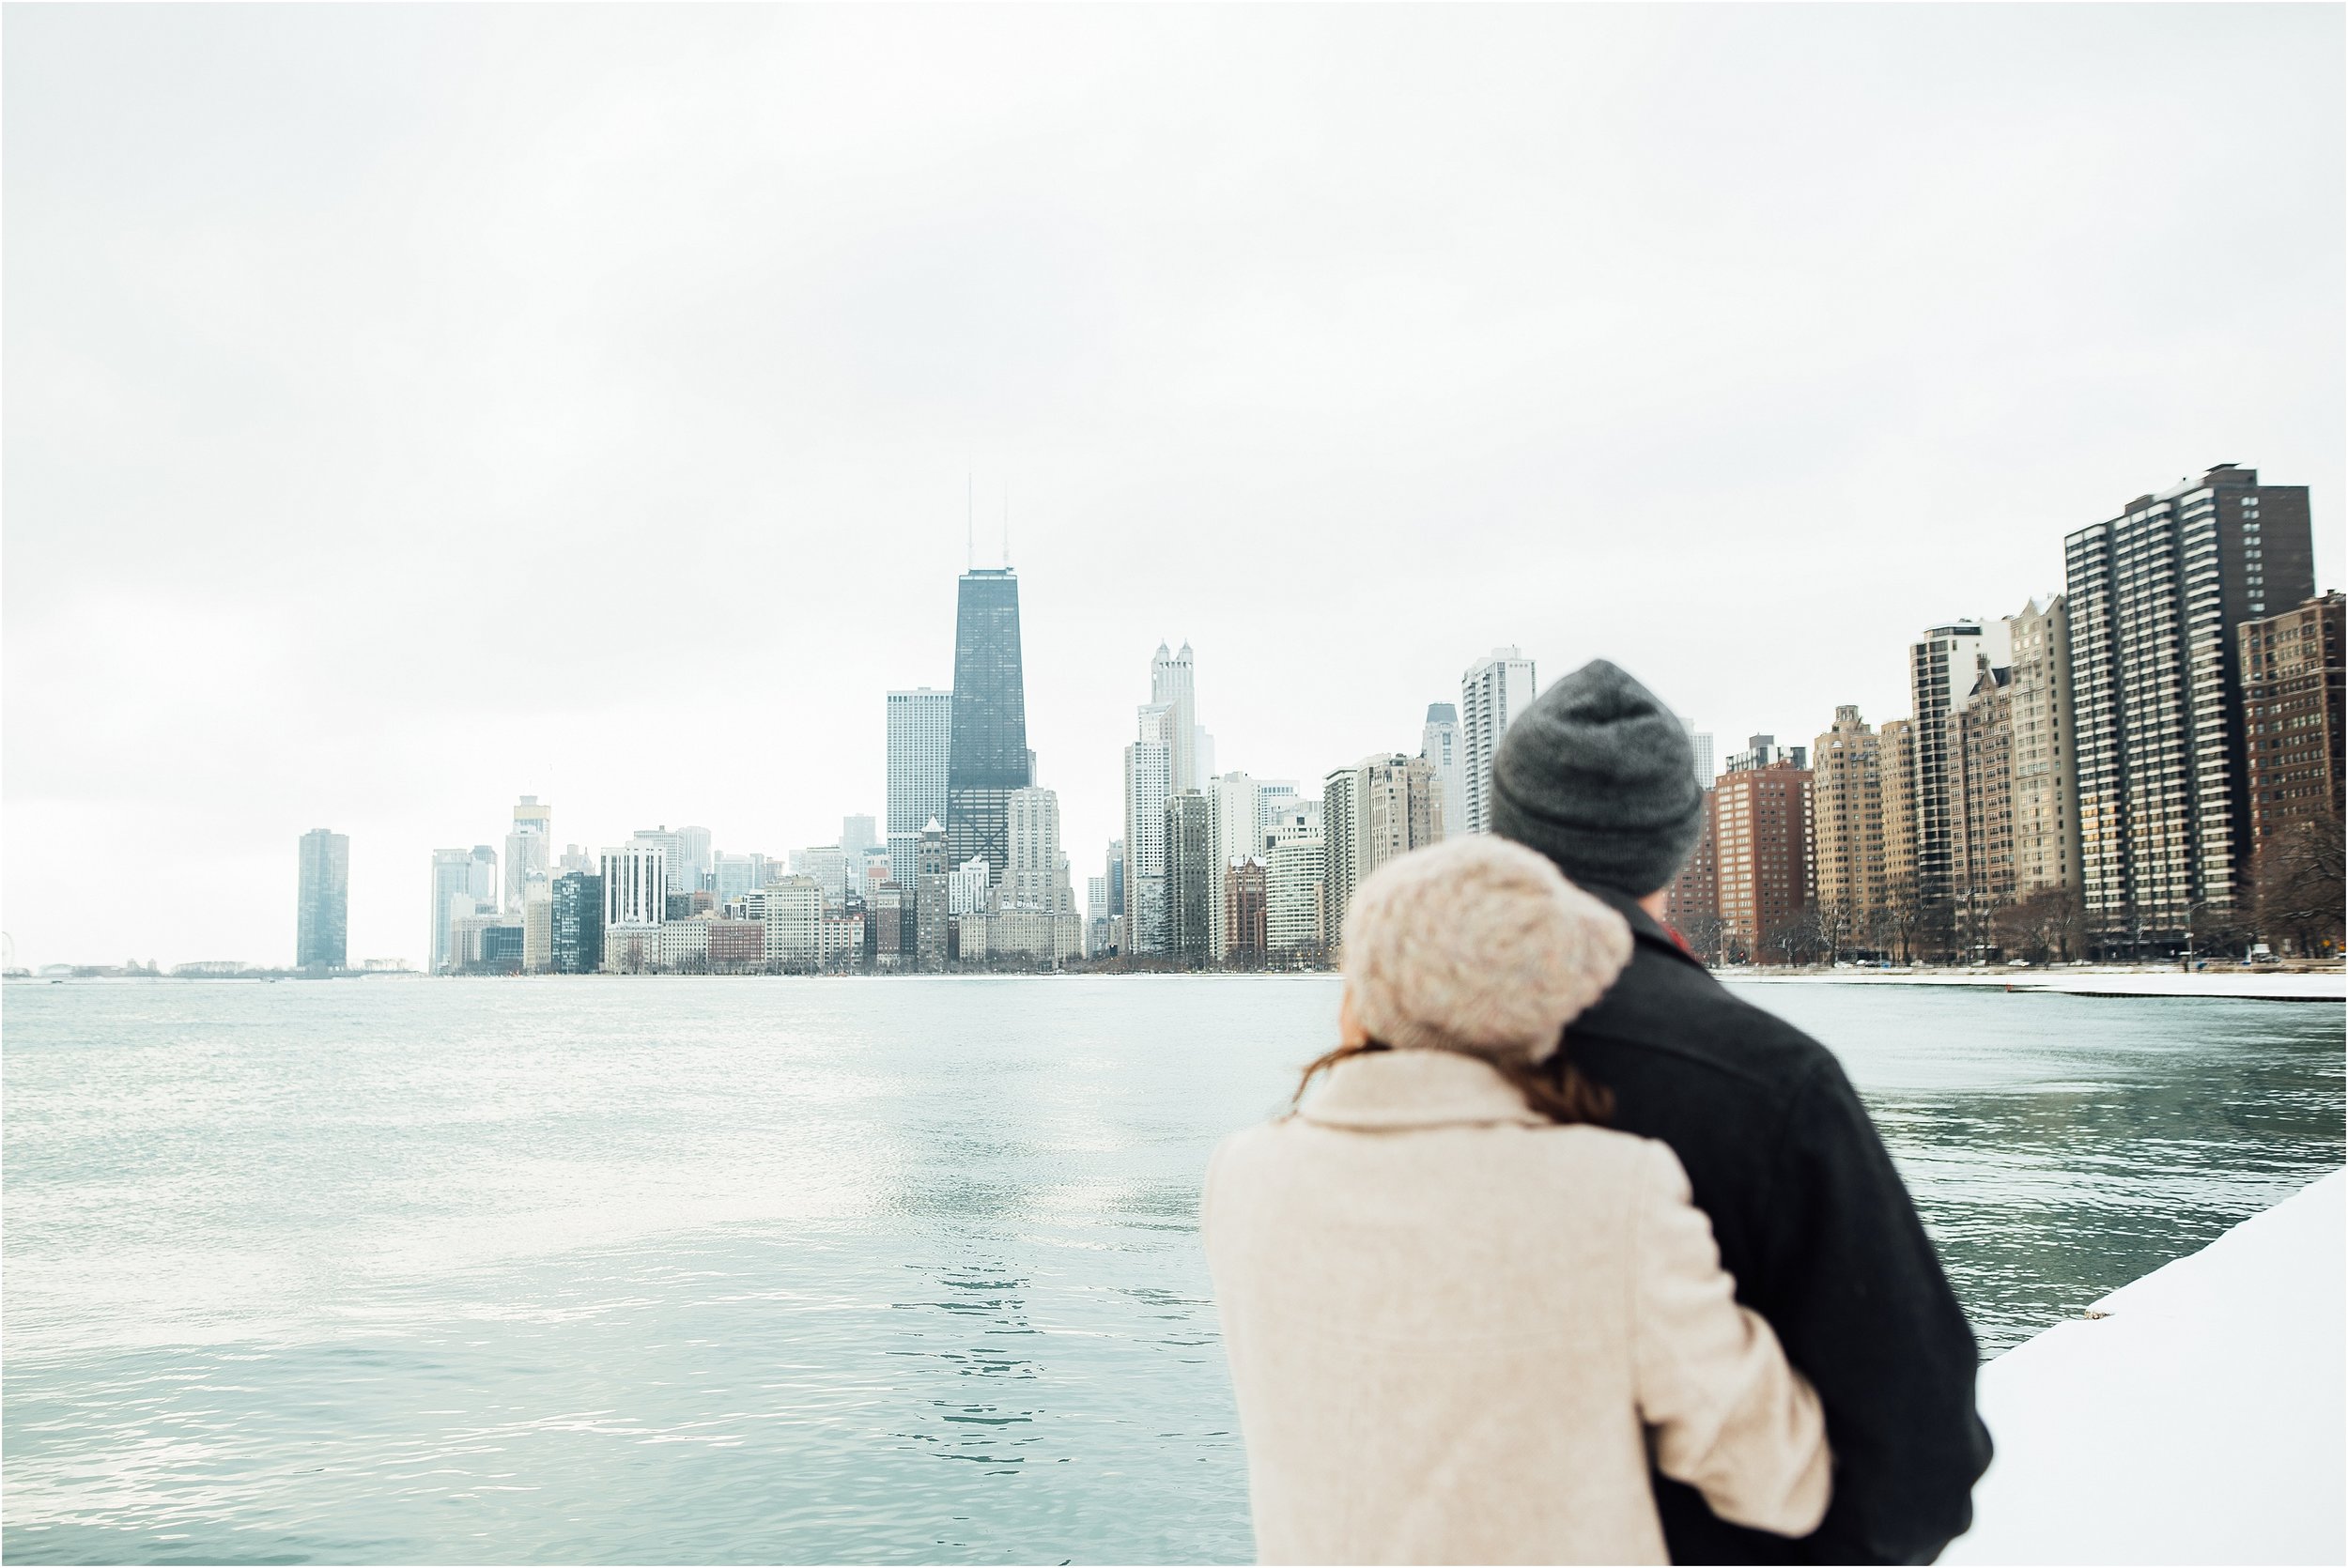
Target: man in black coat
x: 1811, y: 1217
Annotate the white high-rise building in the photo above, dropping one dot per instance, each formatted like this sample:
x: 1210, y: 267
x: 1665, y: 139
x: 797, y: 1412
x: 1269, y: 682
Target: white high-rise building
x: 1172, y: 687
x: 1273, y: 797
x: 1439, y: 744
x: 1297, y: 891
x: 1148, y: 784
x: 827, y: 863
x: 966, y: 887
x: 857, y: 835
x: 635, y: 905
x: 686, y: 850
x: 1700, y: 743
x: 792, y: 911
x: 920, y: 741
x: 734, y: 875
x: 1495, y: 689
x: 1036, y: 883
x: 1236, y: 804
x: 529, y: 852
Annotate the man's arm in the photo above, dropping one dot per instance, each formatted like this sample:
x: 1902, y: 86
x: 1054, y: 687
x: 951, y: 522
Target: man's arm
x: 1864, y: 1310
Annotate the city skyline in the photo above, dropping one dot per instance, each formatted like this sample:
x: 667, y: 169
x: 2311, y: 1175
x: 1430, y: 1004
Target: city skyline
x: 336, y: 454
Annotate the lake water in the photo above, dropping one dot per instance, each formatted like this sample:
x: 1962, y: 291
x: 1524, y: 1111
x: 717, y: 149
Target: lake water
x: 867, y: 1270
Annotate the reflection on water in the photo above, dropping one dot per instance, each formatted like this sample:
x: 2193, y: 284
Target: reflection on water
x: 796, y: 1270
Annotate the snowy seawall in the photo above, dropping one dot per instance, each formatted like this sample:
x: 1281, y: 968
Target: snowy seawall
x: 2201, y: 1417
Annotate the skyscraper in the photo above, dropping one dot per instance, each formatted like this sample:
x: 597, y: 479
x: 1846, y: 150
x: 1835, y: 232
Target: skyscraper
x: 1237, y: 808
x: 1495, y: 689
x: 1194, y: 878
x: 2292, y: 683
x: 529, y: 852
x: 1172, y: 682
x: 1036, y: 883
x: 920, y: 740
x: 1148, y: 784
x: 1981, y: 784
x: 2045, y: 762
x: 1847, y: 829
x: 1439, y: 743
x: 1700, y: 743
x: 1380, y: 808
x: 686, y: 850
x: 1761, y: 847
x: 931, y: 898
x: 577, y: 923
x: 988, y: 756
x: 452, y: 895
x: 1943, y: 667
x: 322, y: 917
x: 2155, y: 596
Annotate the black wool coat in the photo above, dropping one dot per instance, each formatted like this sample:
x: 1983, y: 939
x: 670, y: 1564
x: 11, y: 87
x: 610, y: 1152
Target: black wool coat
x: 1823, y: 1240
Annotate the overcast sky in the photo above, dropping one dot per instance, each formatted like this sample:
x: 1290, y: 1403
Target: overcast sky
x: 412, y: 408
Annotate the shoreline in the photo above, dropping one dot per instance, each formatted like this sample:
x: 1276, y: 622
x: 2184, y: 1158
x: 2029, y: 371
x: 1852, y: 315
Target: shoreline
x: 2191, y: 1416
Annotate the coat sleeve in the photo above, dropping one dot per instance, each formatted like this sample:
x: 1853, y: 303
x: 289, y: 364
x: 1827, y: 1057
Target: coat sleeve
x: 1862, y: 1305
x: 1723, y: 1410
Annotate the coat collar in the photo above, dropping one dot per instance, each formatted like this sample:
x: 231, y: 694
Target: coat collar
x: 1384, y: 1089
x: 1644, y: 928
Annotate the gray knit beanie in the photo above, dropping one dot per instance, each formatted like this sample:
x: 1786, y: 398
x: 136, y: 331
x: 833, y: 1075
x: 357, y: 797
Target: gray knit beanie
x: 1598, y: 775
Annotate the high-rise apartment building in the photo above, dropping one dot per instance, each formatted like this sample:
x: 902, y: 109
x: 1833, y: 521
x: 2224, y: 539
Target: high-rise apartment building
x: 1762, y: 847
x: 464, y: 885
x: 1038, y: 881
x: 988, y: 756
x: 1847, y: 829
x: 1981, y: 781
x: 1495, y: 689
x: 1296, y: 892
x: 1148, y: 785
x: 2046, y: 769
x: 931, y: 898
x: 635, y: 884
x: 685, y: 852
x: 2292, y: 703
x: 1382, y: 807
x: 1700, y: 747
x: 793, y: 918
x: 1439, y: 744
x: 1238, y: 808
x: 920, y: 738
x: 1194, y: 881
x: 1173, y: 686
x: 529, y: 852
x: 322, y: 914
x: 1943, y: 667
x: 1693, y: 905
x: 2155, y: 598
x: 1244, y: 928
x: 1898, y: 767
x: 577, y: 923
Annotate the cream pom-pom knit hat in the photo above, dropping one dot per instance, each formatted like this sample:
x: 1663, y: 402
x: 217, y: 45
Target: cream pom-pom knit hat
x: 1479, y: 946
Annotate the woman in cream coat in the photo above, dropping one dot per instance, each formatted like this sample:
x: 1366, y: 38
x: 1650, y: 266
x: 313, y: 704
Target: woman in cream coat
x: 1460, y: 1315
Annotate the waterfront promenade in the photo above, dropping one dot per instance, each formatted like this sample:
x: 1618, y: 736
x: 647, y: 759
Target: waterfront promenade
x: 2194, y: 1416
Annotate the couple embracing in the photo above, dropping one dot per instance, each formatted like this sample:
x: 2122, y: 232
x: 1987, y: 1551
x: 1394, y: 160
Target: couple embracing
x: 1565, y: 1254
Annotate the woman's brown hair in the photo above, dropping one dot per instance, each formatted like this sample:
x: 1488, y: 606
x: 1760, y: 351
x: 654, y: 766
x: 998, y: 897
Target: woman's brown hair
x: 1554, y: 1088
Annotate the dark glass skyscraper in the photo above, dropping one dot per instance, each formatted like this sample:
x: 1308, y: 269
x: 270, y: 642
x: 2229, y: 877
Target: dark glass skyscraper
x: 324, y: 916
x: 987, y: 757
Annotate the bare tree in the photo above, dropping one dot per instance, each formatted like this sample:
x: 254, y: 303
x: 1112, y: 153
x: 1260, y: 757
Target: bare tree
x: 2298, y: 881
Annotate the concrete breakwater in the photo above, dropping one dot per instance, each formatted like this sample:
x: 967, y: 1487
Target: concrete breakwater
x: 2194, y: 1416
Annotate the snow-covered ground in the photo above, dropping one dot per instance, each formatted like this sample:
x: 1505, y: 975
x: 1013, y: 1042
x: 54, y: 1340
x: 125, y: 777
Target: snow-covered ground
x: 2330, y: 986
x: 2203, y: 1417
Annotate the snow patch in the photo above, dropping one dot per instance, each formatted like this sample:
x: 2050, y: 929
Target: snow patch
x: 2197, y: 1415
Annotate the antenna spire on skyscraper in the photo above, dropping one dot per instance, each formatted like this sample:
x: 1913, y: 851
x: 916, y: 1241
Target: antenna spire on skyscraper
x: 1007, y: 525
x: 971, y: 521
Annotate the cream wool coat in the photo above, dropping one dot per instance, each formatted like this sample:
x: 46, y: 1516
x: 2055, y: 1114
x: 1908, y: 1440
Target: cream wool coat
x: 1458, y: 1330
